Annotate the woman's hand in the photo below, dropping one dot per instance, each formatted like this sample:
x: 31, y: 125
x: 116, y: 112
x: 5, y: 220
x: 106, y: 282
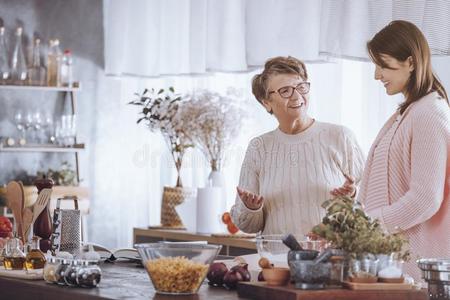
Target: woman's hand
x: 348, y: 189
x: 252, y: 201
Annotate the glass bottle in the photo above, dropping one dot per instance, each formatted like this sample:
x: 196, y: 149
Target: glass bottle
x: 18, y: 64
x: 36, y: 73
x: 15, y: 258
x: 54, y: 64
x: 4, y: 64
x: 66, y: 69
x: 35, y: 259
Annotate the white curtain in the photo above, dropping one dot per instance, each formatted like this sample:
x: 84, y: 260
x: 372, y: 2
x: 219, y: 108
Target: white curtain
x: 154, y: 37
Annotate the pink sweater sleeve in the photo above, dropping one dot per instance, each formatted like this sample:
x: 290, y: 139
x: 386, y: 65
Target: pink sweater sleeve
x: 430, y: 147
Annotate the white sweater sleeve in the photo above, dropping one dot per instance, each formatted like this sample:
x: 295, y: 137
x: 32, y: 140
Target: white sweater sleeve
x: 248, y: 220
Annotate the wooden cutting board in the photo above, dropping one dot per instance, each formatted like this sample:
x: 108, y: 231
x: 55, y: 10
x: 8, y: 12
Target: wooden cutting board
x: 262, y: 291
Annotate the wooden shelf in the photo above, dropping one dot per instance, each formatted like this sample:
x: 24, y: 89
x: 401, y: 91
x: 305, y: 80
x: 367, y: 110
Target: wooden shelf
x: 75, y: 88
x: 42, y: 148
x: 231, y: 246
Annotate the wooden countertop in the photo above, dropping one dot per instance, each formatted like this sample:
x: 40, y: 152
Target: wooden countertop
x: 120, y: 280
x: 247, y: 243
x: 124, y: 280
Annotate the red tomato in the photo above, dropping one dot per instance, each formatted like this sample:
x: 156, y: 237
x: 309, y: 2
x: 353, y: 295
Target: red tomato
x: 232, y: 228
x: 226, y: 218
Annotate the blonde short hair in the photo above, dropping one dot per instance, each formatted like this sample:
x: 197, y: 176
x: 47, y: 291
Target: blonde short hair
x: 274, y: 66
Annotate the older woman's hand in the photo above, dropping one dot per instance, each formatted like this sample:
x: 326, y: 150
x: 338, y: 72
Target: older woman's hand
x: 348, y: 189
x: 252, y: 201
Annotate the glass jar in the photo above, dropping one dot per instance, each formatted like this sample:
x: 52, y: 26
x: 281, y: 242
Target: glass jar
x: 50, y: 269
x: 89, y: 274
x: 70, y: 275
x: 337, y: 271
x: 61, y: 270
x: 364, y: 269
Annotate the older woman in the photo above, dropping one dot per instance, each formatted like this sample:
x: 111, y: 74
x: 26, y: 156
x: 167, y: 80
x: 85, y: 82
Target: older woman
x: 287, y: 173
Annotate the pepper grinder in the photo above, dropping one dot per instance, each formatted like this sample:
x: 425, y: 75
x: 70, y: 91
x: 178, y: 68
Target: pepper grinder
x: 42, y: 227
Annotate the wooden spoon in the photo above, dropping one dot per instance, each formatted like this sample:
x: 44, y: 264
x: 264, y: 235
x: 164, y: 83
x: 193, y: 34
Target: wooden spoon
x: 15, y: 203
x: 27, y: 220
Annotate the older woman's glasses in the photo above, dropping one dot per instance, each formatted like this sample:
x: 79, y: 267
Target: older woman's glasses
x: 288, y: 91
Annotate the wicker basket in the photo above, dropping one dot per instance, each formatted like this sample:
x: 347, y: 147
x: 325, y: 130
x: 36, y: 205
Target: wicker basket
x: 172, y: 197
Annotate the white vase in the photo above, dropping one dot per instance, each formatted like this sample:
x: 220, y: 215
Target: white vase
x: 210, y: 207
x: 216, y: 178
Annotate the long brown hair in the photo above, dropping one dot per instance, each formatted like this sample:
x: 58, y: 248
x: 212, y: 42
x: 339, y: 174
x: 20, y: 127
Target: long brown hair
x: 402, y: 39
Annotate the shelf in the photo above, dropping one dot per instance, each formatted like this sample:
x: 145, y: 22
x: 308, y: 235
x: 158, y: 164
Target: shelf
x: 75, y: 88
x: 42, y: 148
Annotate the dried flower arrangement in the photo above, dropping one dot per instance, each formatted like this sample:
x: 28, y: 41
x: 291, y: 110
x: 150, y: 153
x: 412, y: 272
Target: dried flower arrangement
x: 212, y: 120
x: 347, y: 227
x: 160, y: 111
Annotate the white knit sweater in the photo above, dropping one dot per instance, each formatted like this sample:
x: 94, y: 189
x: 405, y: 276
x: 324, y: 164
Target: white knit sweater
x: 295, y: 174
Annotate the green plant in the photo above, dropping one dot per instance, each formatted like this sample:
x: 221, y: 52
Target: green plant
x: 160, y: 111
x: 347, y: 227
x: 65, y: 176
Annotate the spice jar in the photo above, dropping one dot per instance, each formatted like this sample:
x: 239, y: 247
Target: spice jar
x: 70, y: 275
x: 50, y: 269
x: 89, y: 274
x: 61, y: 270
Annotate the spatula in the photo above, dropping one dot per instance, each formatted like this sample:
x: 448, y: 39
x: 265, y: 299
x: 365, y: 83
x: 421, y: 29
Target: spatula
x: 15, y: 203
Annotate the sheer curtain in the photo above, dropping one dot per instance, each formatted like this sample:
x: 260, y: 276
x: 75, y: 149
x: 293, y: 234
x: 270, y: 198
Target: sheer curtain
x: 151, y: 37
x: 147, y: 38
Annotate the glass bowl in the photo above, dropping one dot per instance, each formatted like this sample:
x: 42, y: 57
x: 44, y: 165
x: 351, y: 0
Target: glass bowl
x: 177, y: 268
x: 271, y: 247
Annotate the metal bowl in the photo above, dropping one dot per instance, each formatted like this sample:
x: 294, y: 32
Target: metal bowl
x: 436, y: 271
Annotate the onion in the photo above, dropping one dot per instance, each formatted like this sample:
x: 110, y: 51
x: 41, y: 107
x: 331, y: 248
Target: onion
x: 261, y: 276
x: 216, y: 273
x: 231, y: 279
x: 243, y: 270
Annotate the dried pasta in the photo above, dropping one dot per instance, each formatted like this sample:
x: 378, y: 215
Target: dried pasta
x: 176, y: 274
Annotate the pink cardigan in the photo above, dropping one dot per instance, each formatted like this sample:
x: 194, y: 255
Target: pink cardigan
x: 408, y: 189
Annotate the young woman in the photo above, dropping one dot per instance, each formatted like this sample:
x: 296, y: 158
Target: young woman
x: 406, y: 180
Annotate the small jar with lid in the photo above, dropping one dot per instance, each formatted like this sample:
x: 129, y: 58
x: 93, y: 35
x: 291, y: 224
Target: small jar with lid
x: 51, y: 268
x: 89, y: 274
x: 70, y: 275
x: 61, y: 270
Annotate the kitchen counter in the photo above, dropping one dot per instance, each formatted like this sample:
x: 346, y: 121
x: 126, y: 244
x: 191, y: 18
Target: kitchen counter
x: 120, y: 280
x: 123, y: 280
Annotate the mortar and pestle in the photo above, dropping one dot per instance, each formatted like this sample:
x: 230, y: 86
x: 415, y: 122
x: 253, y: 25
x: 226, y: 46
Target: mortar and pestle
x: 309, y: 269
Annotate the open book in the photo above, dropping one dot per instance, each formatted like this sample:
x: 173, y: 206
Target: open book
x: 114, y: 254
